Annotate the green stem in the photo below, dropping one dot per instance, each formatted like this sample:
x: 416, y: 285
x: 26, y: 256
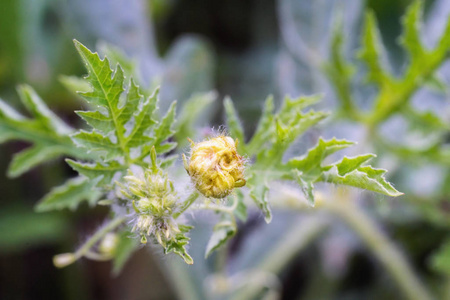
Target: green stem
x: 186, y: 204
x: 98, y: 235
x: 296, y: 239
x: 384, y: 250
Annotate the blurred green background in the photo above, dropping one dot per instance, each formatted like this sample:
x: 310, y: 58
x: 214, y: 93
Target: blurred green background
x: 243, y: 48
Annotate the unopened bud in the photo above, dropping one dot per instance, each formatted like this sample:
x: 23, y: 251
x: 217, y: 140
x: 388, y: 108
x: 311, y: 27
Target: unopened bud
x: 215, y: 167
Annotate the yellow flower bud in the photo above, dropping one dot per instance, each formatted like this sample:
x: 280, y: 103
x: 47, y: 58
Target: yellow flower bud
x: 215, y: 167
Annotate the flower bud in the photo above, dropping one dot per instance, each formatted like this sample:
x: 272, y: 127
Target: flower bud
x: 108, y: 244
x: 154, y: 201
x: 64, y: 259
x: 215, y: 167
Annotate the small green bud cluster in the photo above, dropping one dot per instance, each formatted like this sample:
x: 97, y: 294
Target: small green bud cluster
x: 154, y: 201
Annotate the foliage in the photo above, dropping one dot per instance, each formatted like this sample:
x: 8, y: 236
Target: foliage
x: 126, y: 132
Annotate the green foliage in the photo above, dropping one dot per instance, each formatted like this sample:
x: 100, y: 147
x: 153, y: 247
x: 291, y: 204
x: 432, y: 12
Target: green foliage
x: 393, y: 93
x: 178, y: 246
x: 126, y: 131
x: 20, y: 228
x: 222, y: 232
x: 70, y: 194
x: 275, y: 134
x: 192, y: 111
x: 47, y: 133
x: 441, y: 259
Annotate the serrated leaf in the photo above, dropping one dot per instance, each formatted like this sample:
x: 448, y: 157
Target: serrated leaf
x: 258, y: 185
x: 241, y: 208
x: 75, y: 84
x: 365, y: 177
x: 292, y: 107
x: 395, y: 92
x: 29, y: 158
x: 310, y: 164
x: 340, y: 73
x: 94, y: 170
x: 427, y: 121
x: 143, y: 121
x: 165, y: 130
x: 222, y: 232
x: 97, y: 120
x: 264, y: 132
x: 372, y: 49
x: 348, y: 164
x: 192, y: 111
x: 96, y: 142
x: 70, y: 194
x: 411, y: 35
x: 126, y: 246
x: 179, y: 243
x: 124, y: 118
x: 307, y: 187
x: 47, y: 133
x: 41, y: 112
x: 233, y: 123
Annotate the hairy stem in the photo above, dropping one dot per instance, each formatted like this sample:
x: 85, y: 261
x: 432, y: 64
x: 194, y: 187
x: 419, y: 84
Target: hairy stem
x: 394, y: 262
x: 113, y: 224
x: 186, y: 204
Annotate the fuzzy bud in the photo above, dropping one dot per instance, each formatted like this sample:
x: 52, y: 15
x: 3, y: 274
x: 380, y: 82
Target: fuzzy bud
x: 154, y: 201
x: 215, y: 167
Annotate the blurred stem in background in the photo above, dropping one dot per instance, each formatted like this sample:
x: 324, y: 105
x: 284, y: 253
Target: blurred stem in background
x: 307, y: 229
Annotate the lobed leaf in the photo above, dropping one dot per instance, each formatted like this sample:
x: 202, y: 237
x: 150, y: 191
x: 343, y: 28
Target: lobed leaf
x: 234, y: 124
x: 222, y: 232
x: 178, y: 245
x: 70, y: 194
x: 46, y: 131
x: 365, y: 177
x: 191, y: 112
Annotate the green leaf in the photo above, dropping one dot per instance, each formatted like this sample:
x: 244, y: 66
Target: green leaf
x: 106, y: 170
x: 440, y: 261
x: 123, y: 119
x: 258, y: 185
x: 264, y: 133
x: 371, y: 49
x: 48, y: 133
x: 241, y: 208
x: 310, y: 164
x: 179, y: 243
x: 165, y: 130
x: 307, y: 187
x: 31, y: 157
x: 75, y: 84
x: 340, y: 73
x: 273, y: 136
x: 395, y: 92
x: 411, y: 35
x: 192, y: 111
x: 365, y: 177
x: 96, y: 142
x: 21, y: 228
x: 233, y: 123
x: 125, y: 248
x: 222, y: 232
x: 426, y: 122
x: 70, y: 195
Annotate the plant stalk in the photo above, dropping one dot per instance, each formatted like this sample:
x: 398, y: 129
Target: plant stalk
x: 301, y: 234
x: 388, y: 254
